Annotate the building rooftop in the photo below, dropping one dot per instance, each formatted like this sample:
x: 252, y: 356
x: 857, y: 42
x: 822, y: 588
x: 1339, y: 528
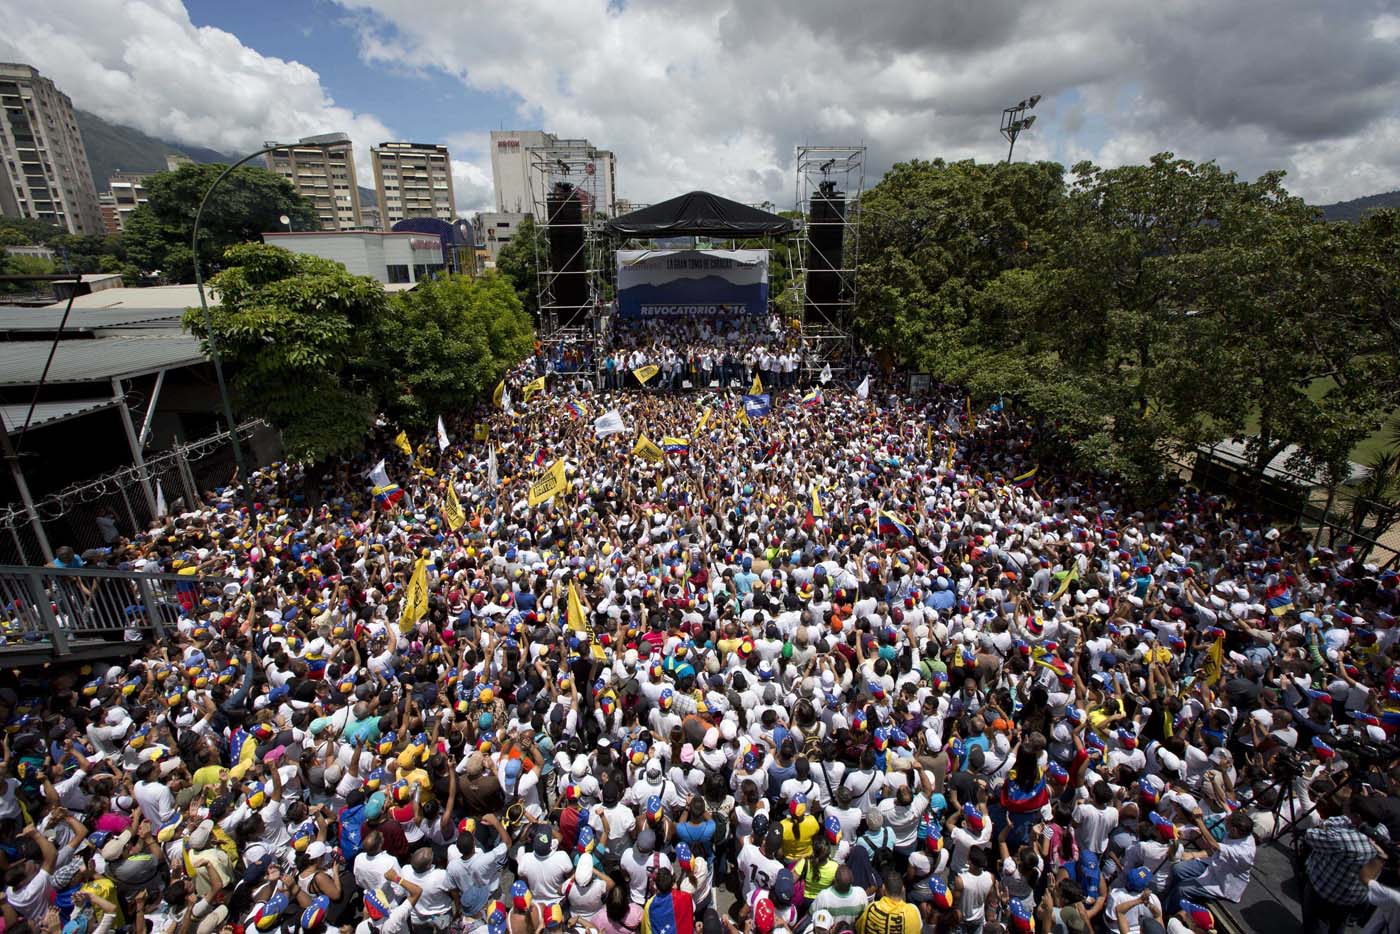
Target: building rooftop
x: 97, y: 360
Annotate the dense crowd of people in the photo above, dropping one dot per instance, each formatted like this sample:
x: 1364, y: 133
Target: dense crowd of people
x: 860, y: 664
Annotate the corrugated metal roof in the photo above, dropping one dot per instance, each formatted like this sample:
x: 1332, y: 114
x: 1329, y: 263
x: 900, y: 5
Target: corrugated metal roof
x: 96, y: 360
x: 158, y: 296
x: 46, y: 413
x: 86, y: 319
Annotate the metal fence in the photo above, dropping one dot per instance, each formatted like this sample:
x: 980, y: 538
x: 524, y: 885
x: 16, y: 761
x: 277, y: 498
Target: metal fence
x: 90, y: 514
x: 67, y: 608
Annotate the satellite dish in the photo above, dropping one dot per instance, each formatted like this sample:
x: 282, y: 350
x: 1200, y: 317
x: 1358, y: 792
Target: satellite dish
x: 284, y: 219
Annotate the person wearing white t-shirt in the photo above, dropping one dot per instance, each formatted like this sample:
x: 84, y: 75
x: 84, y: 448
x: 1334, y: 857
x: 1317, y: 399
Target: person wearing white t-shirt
x: 1094, y: 823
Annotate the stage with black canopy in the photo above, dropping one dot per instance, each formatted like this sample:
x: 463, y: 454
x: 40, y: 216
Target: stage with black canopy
x: 700, y: 214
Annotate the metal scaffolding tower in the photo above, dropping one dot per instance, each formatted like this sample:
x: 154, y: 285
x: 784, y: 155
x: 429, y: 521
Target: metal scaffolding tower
x: 830, y: 183
x: 568, y: 194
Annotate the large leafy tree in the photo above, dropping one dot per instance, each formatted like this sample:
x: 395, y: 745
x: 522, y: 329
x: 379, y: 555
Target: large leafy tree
x: 450, y: 340
x: 1138, y: 311
x: 319, y: 352
x: 248, y: 203
x: 297, y: 332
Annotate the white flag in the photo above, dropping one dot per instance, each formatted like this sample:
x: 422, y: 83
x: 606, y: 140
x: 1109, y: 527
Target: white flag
x: 609, y: 423
x: 863, y: 390
x: 826, y: 374
x: 443, y: 443
x: 505, y: 403
x: 161, y: 509
x: 378, y: 476
x: 492, y: 474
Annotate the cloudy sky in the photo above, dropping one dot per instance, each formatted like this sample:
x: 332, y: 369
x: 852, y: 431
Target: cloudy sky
x: 716, y: 93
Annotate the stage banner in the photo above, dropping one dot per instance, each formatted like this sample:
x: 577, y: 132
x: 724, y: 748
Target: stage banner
x: 691, y: 283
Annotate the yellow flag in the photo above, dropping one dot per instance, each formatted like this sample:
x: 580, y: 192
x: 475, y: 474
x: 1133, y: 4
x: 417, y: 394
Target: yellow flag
x: 480, y: 432
x: 644, y: 373
x: 951, y: 449
x: 817, y: 512
x: 1210, y: 671
x: 1072, y: 576
x: 757, y: 386
x: 533, y: 387
x: 704, y: 418
x: 648, y: 451
x: 415, y: 602
x: 550, y: 484
x: 452, y: 508
x: 498, y: 397
x: 402, y: 441
x: 575, y: 619
x: 928, y: 434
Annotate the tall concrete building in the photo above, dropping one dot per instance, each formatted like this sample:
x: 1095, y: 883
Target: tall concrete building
x: 413, y: 180
x: 128, y: 190
x: 322, y: 169
x: 519, y: 165
x: 44, y: 171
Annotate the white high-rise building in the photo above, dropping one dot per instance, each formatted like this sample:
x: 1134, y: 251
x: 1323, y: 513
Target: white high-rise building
x: 413, y: 180
x: 44, y: 173
x: 515, y: 172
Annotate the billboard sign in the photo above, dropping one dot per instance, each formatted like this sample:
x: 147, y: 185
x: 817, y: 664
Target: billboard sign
x: 691, y: 283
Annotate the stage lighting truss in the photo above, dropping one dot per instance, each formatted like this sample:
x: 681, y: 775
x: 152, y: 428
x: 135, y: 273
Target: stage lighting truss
x: 571, y: 162
x: 828, y: 169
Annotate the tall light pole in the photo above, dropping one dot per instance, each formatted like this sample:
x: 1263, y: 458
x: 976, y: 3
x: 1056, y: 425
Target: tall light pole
x: 1014, y: 120
x: 211, y: 339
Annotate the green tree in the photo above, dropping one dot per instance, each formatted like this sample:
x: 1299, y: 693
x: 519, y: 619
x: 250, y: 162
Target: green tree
x: 298, y: 333
x: 23, y: 266
x: 518, y: 261
x: 450, y: 340
x: 247, y: 204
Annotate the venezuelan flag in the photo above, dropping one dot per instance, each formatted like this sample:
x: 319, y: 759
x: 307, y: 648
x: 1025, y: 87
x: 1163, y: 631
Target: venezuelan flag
x: 812, y: 399
x: 889, y: 526
x: 1025, y: 479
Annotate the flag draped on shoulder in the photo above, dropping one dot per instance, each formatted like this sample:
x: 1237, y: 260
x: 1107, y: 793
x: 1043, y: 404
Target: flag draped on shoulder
x: 386, y: 492
x: 549, y: 485
x: 609, y: 423
x: 443, y: 441
x: 415, y: 601
x: 644, y: 373
x: 452, y: 509
x: 648, y: 450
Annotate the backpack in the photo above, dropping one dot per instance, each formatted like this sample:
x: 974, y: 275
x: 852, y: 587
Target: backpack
x: 352, y: 828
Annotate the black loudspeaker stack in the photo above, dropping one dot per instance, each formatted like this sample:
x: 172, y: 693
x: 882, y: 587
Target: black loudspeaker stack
x: 826, y: 228
x: 565, y: 204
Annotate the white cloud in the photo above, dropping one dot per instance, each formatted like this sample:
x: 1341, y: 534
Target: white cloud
x: 715, y: 93
x: 144, y: 64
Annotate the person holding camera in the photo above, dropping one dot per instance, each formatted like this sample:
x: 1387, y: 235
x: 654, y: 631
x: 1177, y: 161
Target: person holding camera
x: 1333, y: 888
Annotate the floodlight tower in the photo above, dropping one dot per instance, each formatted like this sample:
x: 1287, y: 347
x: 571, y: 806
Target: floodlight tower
x: 1014, y: 120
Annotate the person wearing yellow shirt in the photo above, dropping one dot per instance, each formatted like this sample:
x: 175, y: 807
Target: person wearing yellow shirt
x: 890, y: 914
x: 799, y: 829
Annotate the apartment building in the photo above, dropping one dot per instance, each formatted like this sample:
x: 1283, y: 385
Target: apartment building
x: 413, y: 180
x: 322, y: 169
x: 44, y: 173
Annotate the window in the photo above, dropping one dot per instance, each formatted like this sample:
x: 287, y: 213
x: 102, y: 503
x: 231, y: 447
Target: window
x: 397, y: 272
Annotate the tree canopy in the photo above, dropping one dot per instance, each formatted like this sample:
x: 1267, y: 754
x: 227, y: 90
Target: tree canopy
x: 247, y: 204
x: 319, y: 352
x: 518, y: 261
x: 1139, y: 311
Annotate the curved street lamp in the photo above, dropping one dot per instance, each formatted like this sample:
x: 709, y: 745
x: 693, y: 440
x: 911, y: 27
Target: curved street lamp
x: 210, y: 339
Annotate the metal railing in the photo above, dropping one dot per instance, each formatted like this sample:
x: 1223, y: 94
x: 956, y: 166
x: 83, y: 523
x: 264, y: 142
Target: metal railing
x: 57, y: 606
x: 92, y: 513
